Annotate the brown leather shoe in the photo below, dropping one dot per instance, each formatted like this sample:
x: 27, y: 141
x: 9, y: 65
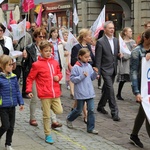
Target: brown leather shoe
x: 56, y: 125
x: 33, y: 123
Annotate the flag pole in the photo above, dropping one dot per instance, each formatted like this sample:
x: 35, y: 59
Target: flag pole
x: 25, y: 33
x: 74, y: 26
x: 28, y: 11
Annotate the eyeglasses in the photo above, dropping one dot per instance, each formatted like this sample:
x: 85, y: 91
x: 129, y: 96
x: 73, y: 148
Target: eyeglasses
x: 41, y: 36
x: 1, y: 30
x: 10, y: 65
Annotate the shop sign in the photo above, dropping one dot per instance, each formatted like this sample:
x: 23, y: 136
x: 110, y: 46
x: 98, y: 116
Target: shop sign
x: 58, y: 7
x: 13, y: 1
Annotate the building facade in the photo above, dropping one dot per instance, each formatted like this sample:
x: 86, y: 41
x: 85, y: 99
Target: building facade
x: 124, y: 13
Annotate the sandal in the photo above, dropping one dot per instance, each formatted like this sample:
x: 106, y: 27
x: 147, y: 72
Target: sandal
x: 85, y: 120
x: 33, y: 123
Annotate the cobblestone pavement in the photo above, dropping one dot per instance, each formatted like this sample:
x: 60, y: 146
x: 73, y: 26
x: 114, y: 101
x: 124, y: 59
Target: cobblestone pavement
x: 112, y: 135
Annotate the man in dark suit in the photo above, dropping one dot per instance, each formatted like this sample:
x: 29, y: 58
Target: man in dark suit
x: 106, y: 55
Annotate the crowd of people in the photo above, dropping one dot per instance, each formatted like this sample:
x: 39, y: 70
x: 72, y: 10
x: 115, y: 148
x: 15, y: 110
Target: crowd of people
x: 46, y: 64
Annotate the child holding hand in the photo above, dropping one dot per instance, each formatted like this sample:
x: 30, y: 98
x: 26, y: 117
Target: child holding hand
x: 46, y: 72
x: 10, y: 96
x: 82, y: 75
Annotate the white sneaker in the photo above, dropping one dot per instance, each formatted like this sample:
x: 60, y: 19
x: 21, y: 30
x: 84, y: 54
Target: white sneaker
x: 9, y: 147
x: 69, y: 124
x: 68, y: 87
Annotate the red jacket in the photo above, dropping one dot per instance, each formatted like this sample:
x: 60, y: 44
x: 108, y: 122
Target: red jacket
x: 42, y: 72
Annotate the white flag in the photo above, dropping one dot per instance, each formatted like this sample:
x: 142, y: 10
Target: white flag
x: 98, y: 24
x: 75, y: 16
x: 54, y: 20
x: 71, y: 42
x: 2, y: 16
x: 1, y: 1
x: 123, y: 46
x: 19, y: 30
x: 7, y: 32
x: 145, y: 87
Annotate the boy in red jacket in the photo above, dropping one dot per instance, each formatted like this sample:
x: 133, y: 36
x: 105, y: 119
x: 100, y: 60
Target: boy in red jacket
x: 46, y: 72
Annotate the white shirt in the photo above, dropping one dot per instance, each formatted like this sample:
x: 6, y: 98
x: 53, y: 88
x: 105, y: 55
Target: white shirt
x: 111, y: 42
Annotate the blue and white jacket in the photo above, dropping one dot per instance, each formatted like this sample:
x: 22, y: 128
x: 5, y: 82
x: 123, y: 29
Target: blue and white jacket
x: 10, y: 95
x: 135, y: 68
x: 83, y: 86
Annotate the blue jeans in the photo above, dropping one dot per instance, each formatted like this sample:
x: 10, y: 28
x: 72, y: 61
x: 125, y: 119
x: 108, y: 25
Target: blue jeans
x: 90, y: 116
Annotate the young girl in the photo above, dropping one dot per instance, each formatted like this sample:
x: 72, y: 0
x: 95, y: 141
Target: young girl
x: 9, y: 98
x: 82, y: 75
x: 58, y: 51
x: 46, y: 73
x: 84, y: 38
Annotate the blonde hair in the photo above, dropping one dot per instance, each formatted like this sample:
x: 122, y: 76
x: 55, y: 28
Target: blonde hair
x: 122, y: 33
x: 82, y: 33
x: 64, y: 31
x: 4, y: 60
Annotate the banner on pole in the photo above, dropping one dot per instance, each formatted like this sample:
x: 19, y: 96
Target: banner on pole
x: 19, y: 30
x: 71, y: 42
x: 145, y: 86
x: 123, y: 46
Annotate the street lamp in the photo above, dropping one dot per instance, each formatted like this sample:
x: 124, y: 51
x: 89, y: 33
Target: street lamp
x: 50, y: 17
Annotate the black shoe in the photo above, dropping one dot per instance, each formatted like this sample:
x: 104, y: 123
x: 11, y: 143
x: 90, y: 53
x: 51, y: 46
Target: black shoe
x: 102, y: 110
x: 136, y: 141
x: 119, y: 97
x: 115, y: 118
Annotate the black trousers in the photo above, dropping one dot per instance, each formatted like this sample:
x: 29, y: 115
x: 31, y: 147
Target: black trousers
x: 17, y: 71
x: 139, y: 120
x: 108, y: 95
x: 7, y: 116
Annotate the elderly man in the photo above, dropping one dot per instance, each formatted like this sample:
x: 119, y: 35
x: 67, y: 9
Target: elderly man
x: 106, y: 55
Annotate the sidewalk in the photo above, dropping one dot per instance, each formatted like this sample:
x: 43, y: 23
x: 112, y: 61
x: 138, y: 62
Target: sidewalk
x: 112, y: 135
x: 27, y: 137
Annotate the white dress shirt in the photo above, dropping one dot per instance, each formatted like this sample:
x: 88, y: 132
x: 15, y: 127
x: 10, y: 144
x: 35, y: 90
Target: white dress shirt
x: 111, y: 42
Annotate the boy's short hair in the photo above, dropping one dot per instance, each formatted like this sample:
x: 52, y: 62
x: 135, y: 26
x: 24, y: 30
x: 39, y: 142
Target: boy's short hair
x: 43, y: 44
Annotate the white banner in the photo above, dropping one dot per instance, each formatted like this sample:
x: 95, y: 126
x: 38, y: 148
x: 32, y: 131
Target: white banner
x: 1, y: 1
x: 19, y: 30
x: 71, y: 42
x: 145, y: 86
x: 98, y: 24
x: 7, y: 32
x: 123, y: 46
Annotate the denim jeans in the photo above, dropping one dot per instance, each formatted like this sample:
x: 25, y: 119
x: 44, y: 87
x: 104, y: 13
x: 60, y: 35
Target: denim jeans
x: 90, y: 116
x: 7, y: 116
